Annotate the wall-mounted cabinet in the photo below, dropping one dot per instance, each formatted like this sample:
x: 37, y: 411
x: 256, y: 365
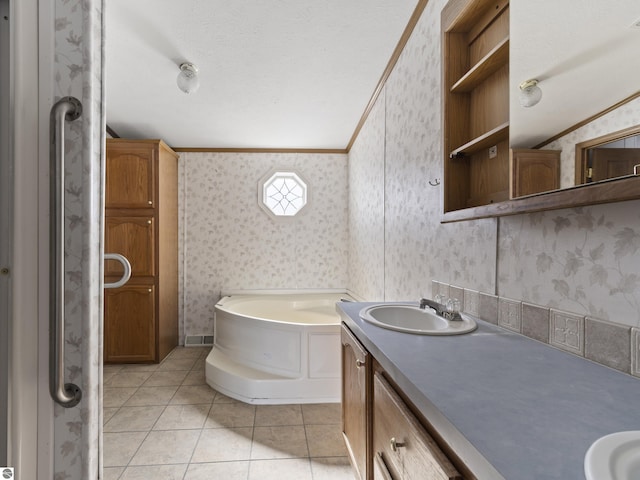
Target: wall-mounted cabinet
x: 476, y: 102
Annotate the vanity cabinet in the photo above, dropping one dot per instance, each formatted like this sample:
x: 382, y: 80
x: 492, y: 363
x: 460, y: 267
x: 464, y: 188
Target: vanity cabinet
x: 385, y: 440
x: 402, y: 447
x: 356, y: 386
x: 141, y: 223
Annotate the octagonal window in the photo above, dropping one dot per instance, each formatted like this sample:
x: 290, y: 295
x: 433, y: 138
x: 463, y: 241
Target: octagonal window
x: 284, y: 194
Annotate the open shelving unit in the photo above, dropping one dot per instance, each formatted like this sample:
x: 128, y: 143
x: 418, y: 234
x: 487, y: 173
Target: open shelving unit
x: 476, y: 102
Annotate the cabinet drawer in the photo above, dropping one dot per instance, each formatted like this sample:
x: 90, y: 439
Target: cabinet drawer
x: 406, y: 449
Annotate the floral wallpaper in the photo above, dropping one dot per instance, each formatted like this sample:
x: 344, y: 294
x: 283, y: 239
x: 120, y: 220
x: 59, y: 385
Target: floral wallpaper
x: 584, y: 260
x: 229, y: 243
x: 417, y: 247
x: 366, y: 208
x: 78, y: 73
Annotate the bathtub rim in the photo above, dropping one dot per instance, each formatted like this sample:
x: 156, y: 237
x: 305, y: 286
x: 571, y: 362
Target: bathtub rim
x: 227, y: 303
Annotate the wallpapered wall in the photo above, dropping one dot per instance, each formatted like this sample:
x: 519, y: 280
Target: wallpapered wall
x: 229, y: 243
x: 397, y: 244
x: 581, y: 260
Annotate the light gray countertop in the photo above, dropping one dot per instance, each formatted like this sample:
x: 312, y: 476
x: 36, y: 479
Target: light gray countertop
x: 503, y: 401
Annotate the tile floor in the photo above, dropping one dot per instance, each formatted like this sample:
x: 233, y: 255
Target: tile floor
x: 163, y: 421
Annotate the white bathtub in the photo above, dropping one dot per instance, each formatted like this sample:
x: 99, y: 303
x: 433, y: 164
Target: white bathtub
x: 274, y: 349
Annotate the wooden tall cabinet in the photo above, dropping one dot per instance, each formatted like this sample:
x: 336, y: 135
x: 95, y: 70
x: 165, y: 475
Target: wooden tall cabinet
x: 141, y: 223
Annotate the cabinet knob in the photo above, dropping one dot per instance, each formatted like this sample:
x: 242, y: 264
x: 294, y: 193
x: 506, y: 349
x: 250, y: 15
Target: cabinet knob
x: 359, y: 363
x: 150, y: 202
x: 395, y: 445
x: 150, y: 290
x: 149, y: 222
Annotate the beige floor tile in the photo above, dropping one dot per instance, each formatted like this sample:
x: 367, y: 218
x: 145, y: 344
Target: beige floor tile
x: 325, y: 441
x: 194, y: 395
x: 167, y: 447
x: 152, y: 472
x: 108, y: 375
x: 271, y: 415
x: 182, y: 417
x: 173, y: 364
x: 222, y: 398
x: 279, y: 442
x: 195, y: 377
x: 127, y: 379
x: 111, y: 369
x: 218, y: 470
x: 332, y: 468
x: 290, y: 469
x: 112, y: 473
x: 141, y: 367
x: 165, y: 379
x: 134, y: 419
x: 107, y: 413
x: 222, y: 445
x: 186, y: 352
x: 148, y: 396
x: 120, y: 447
x: 199, y: 365
x: 205, y: 351
x: 231, y: 415
x: 116, y: 397
x: 322, y: 413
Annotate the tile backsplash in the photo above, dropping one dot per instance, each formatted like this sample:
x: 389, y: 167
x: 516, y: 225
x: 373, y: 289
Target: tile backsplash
x: 610, y: 344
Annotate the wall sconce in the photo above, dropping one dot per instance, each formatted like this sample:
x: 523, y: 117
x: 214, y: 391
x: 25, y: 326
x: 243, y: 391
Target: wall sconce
x: 187, y: 79
x: 530, y: 93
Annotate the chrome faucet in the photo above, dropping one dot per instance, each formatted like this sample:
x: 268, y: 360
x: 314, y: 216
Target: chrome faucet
x: 440, y: 309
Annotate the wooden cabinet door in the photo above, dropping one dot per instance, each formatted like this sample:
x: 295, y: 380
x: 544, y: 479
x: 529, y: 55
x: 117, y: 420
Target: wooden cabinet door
x: 356, y: 365
x: 613, y: 162
x: 130, y: 176
x: 533, y: 171
x: 129, y: 329
x: 132, y: 237
x: 404, y: 446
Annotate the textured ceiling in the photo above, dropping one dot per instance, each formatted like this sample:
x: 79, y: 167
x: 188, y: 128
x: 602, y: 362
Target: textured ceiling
x: 299, y: 73
x: 273, y: 74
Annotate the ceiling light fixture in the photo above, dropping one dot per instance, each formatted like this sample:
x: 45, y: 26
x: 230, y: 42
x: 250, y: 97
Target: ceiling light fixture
x: 187, y: 79
x: 530, y: 93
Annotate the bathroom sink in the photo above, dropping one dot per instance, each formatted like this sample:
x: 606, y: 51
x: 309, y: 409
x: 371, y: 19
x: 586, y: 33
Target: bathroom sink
x: 614, y: 457
x: 412, y: 319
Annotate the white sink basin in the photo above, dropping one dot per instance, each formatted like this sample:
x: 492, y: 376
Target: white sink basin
x: 614, y: 457
x: 412, y: 319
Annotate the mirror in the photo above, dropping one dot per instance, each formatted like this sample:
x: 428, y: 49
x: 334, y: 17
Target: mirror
x: 610, y: 156
x: 580, y: 54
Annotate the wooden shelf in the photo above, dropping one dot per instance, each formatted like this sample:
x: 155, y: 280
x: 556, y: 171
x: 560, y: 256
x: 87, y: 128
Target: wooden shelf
x: 607, y: 191
x: 496, y: 135
x: 489, y: 64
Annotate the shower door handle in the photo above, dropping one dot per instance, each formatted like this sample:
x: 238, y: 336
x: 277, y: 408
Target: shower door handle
x: 126, y: 275
x: 66, y: 394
